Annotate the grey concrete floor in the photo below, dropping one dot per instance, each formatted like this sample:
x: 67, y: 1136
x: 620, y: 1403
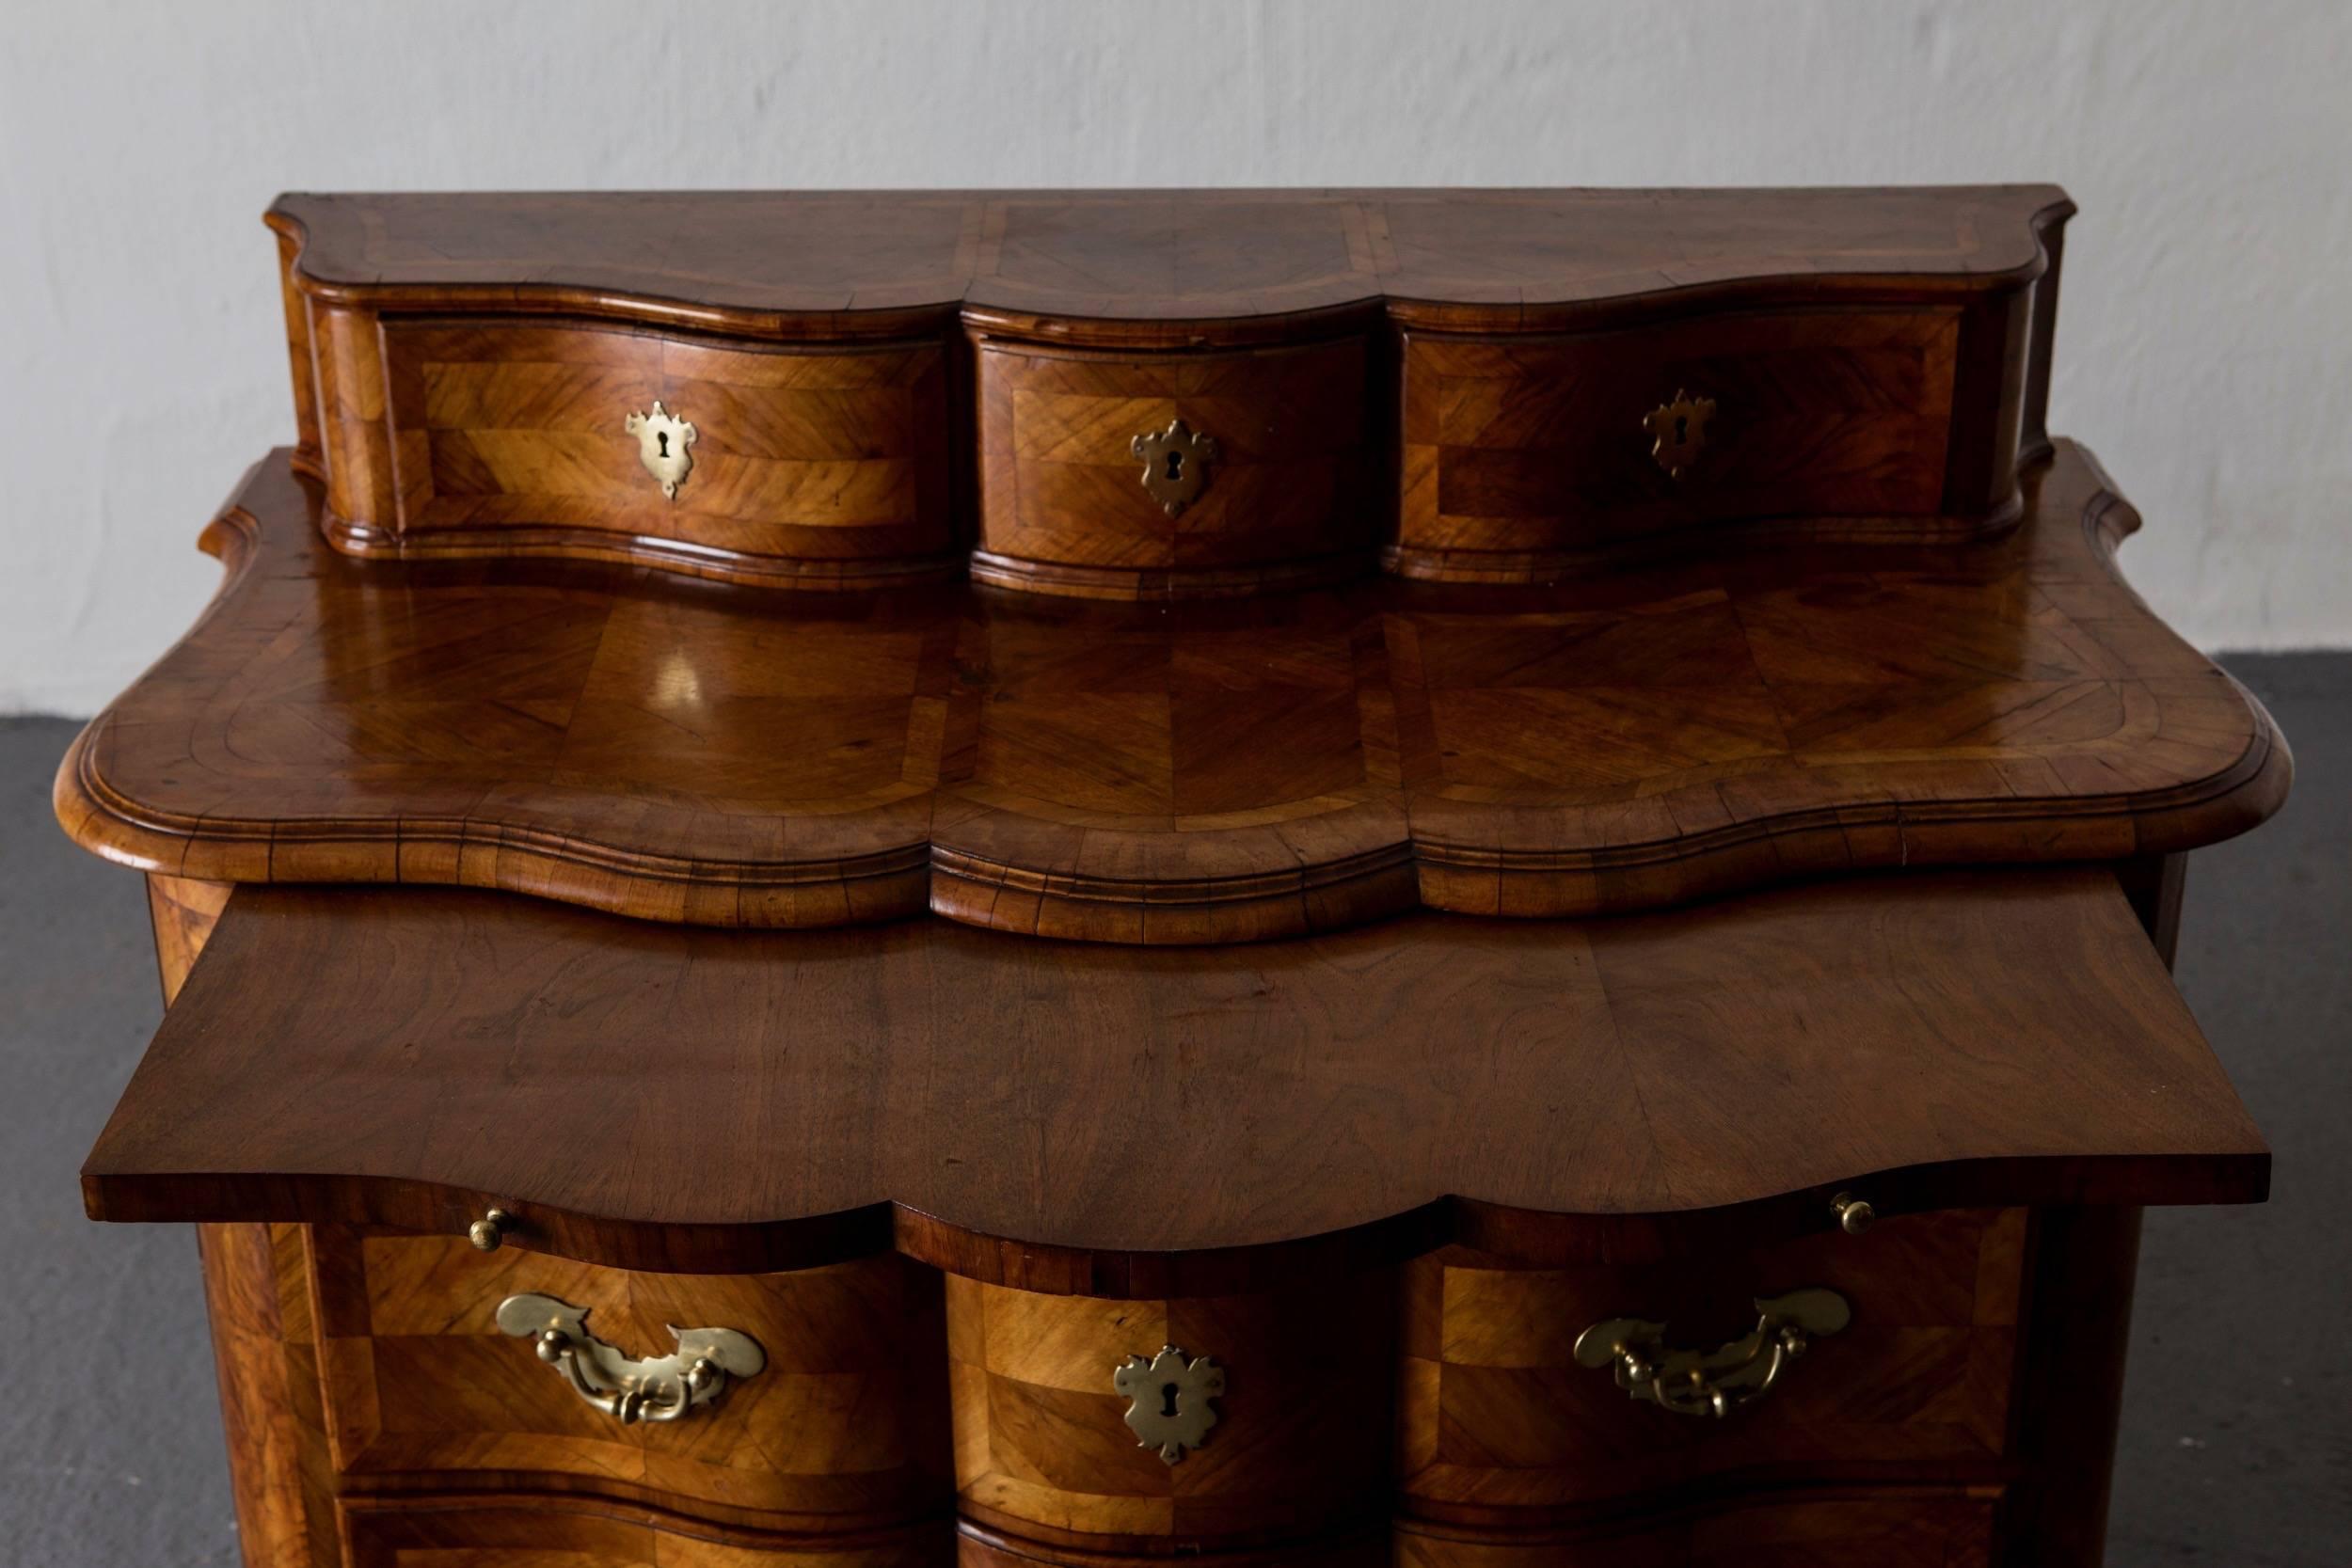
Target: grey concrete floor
x: 2237, y: 1419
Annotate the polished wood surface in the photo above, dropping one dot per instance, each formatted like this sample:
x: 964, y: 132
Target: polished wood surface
x: 514, y: 1531
x: 1501, y: 1427
x: 845, y: 1431
x: 839, y: 263
x: 1524, y: 460
x: 257, y: 1294
x: 1299, y: 1451
x: 820, y: 464
x: 1558, y: 1093
x: 464, y: 364
x: 1169, y: 774
x: 1879, y: 1526
x: 1412, y: 607
x: 1296, y: 475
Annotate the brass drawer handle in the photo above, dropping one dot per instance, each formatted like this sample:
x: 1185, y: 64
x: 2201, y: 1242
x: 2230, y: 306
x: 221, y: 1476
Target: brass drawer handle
x: 632, y: 1391
x: 1713, y: 1381
x: 1679, y: 431
x: 663, y: 438
x: 1175, y: 463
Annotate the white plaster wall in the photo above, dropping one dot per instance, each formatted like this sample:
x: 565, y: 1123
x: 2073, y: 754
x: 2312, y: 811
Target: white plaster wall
x: 2205, y: 339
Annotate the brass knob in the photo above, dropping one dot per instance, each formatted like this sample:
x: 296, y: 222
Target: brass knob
x: 489, y: 1230
x: 1854, y: 1214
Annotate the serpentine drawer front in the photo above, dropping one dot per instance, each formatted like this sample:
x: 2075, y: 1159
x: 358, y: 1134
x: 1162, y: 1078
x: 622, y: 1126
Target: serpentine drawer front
x: 1173, y: 394
x: 818, y: 463
x: 1525, y: 457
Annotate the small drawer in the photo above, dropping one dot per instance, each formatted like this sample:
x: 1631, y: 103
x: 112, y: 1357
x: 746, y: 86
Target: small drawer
x: 1525, y: 456
x: 1500, y: 1423
x: 844, y: 1427
x: 1106, y: 475
x: 1175, y: 1427
x: 819, y: 464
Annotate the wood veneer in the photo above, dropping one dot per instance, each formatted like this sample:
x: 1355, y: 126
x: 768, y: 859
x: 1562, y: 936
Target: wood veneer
x: 1299, y: 1455
x: 844, y: 1433
x: 1383, y: 1174
x: 1878, y: 359
x: 1560, y: 1095
x: 815, y: 463
x: 1206, y: 772
x: 1502, y: 1428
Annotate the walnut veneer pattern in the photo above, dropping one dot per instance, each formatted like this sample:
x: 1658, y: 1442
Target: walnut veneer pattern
x: 1571, y: 1094
x: 1452, y: 381
x: 1198, y: 772
x: 1528, y: 553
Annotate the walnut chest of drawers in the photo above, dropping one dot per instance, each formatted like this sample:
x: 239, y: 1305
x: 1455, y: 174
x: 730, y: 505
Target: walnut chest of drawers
x: 1451, y: 878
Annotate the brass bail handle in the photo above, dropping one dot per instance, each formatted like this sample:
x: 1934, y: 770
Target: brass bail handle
x: 1713, y: 1381
x: 664, y: 1388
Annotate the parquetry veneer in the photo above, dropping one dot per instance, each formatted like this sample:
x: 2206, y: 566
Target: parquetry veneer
x: 1277, y: 591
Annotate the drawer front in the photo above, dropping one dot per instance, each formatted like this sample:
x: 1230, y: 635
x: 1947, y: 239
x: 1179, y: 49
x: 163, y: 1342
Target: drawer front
x: 1889, y: 1529
x: 1520, y: 452
x: 1269, y: 478
x: 843, y: 1429
x: 540, y: 1532
x: 1500, y: 1424
x: 832, y: 458
x: 1296, y: 1452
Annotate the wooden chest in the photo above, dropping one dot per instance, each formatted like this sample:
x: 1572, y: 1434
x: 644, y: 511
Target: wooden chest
x: 1447, y: 880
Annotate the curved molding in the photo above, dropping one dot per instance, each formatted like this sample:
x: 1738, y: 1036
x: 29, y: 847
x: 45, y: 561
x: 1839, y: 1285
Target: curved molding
x: 997, y: 774
x: 405, y: 253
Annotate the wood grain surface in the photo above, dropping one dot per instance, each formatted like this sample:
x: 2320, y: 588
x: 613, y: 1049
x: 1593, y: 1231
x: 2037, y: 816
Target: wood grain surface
x: 814, y: 463
x: 464, y: 365
x: 1209, y: 772
x: 1500, y: 1426
x: 845, y: 1431
x: 847, y: 263
x: 1020, y: 1112
x: 1299, y: 1451
x: 1292, y: 493
x: 525, y: 1530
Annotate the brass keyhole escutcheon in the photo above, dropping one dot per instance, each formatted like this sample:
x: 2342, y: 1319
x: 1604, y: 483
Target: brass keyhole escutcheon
x: 662, y: 440
x: 1677, y: 432
x: 1175, y: 463
x: 1168, y: 1394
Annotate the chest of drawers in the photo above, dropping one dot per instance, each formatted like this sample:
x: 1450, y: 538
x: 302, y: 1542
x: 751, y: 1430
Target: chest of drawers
x: 1442, y: 878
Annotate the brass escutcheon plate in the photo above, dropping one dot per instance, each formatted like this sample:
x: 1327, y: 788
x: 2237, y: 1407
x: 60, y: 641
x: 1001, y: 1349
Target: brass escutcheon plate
x: 1679, y: 431
x: 1168, y: 1400
x: 663, y: 438
x: 1175, y: 463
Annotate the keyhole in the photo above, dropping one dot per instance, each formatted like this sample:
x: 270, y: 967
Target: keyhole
x: 663, y: 437
x: 1168, y: 1399
x: 1175, y: 466
x: 1683, y: 428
